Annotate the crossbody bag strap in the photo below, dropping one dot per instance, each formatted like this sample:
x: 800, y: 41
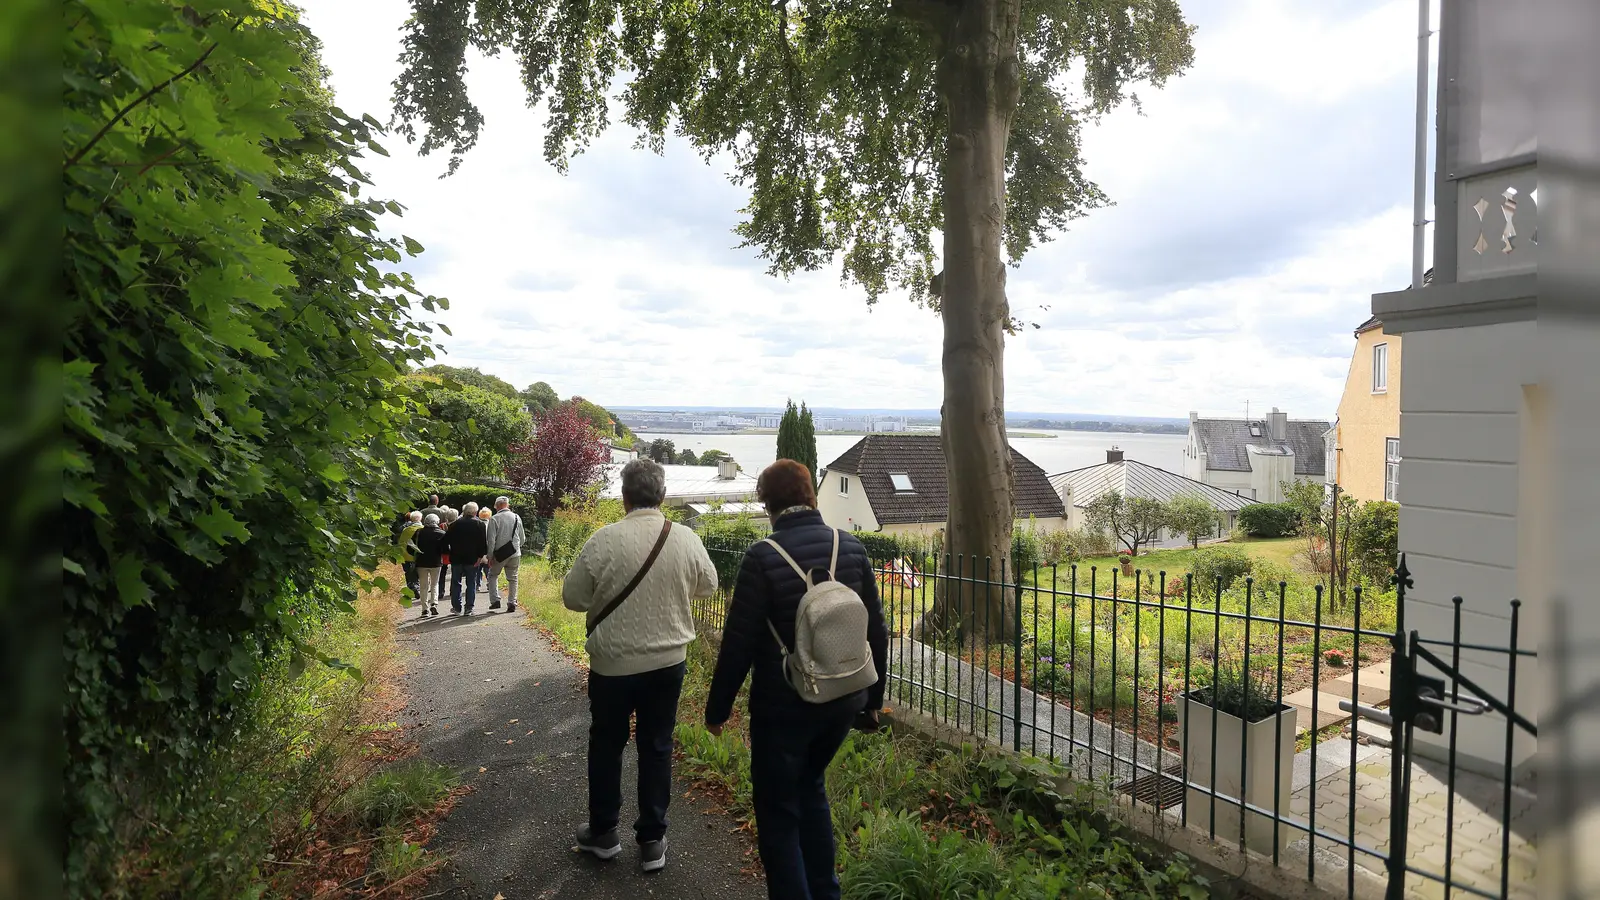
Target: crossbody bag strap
x: 666, y: 529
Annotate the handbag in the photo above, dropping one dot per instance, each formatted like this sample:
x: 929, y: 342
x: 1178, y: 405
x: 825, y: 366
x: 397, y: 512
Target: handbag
x: 509, y: 548
x: 666, y: 529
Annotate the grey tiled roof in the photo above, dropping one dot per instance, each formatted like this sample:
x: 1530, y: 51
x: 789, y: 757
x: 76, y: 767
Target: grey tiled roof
x: 921, y: 458
x: 1132, y: 478
x: 1225, y: 442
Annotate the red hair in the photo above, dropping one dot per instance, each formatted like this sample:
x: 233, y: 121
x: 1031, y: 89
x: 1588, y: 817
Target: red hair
x: 786, y: 483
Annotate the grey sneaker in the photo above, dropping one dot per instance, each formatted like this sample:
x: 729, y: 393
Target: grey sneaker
x: 653, y: 855
x: 603, y: 845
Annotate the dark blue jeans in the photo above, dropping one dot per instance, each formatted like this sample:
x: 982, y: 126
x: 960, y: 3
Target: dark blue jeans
x: 789, y: 757
x: 652, y: 698
x: 472, y: 575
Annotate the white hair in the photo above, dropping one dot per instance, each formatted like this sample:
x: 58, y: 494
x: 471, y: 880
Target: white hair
x: 430, y: 519
x: 470, y: 509
x: 501, y: 501
x: 414, y: 516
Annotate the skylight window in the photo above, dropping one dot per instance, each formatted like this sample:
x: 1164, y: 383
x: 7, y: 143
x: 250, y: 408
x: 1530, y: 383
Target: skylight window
x: 1255, y: 431
x: 901, y: 482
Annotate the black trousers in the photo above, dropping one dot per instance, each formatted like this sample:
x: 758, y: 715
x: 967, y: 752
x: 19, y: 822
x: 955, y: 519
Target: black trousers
x: 789, y: 756
x: 652, y: 699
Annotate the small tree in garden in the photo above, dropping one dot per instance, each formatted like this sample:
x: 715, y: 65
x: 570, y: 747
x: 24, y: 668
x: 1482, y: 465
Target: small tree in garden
x: 566, y: 457
x: 789, y: 434
x: 1327, y: 531
x: 1136, y: 521
x: 712, y: 457
x: 687, y: 458
x: 662, y: 451
x: 1192, y: 517
x: 808, y: 441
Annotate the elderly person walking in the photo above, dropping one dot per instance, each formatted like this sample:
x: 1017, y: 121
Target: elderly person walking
x: 430, y: 541
x: 408, y: 550
x: 505, y: 552
x: 469, y: 548
x: 793, y: 740
x: 635, y: 581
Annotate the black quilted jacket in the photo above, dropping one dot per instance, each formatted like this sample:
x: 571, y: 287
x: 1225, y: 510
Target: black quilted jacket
x: 768, y: 587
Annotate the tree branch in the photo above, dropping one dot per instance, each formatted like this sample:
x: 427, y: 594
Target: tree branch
x: 142, y: 98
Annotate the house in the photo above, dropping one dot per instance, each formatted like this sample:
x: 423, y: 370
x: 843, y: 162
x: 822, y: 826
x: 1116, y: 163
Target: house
x: 895, y: 484
x: 1254, y: 457
x: 1131, y: 478
x: 700, y: 513
x: 1474, y: 426
x: 1364, y: 443
x: 620, y: 455
x: 768, y: 420
x: 693, y: 484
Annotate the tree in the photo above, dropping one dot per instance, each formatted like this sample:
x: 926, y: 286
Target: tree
x: 475, y: 378
x: 236, y: 434
x: 1135, y: 520
x: 687, y: 458
x: 605, y: 422
x: 862, y: 131
x: 712, y: 457
x: 564, y: 458
x: 1374, y: 540
x: 806, y: 441
x: 661, y: 450
x: 1192, y: 517
x: 478, y: 426
x: 1325, y: 525
x: 539, y: 397
x: 789, y: 437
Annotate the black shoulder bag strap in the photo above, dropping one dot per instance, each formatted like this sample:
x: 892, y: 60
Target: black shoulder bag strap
x: 666, y: 529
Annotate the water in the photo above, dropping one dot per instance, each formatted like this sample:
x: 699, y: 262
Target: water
x: 1064, y: 451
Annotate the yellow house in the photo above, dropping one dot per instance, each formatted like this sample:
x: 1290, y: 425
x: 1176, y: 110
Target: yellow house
x: 1366, y: 438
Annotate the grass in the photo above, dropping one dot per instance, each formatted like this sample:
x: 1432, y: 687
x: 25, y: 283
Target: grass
x: 312, y: 790
x: 540, y: 593
x: 1175, y: 561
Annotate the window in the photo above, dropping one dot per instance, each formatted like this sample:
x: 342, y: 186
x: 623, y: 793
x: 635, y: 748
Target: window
x: 901, y: 481
x: 1391, y: 469
x: 844, y: 486
x: 1380, y: 368
x: 1255, y: 431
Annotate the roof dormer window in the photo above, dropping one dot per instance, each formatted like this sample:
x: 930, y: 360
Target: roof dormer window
x: 901, y: 482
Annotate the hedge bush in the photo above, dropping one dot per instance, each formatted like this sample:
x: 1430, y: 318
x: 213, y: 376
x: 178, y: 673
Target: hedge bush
x: 726, y: 539
x: 1269, y: 520
x: 535, y: 531
x: 1213, y: 566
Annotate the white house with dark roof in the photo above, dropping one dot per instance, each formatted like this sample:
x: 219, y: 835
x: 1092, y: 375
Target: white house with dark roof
x: 1254, y: 457
x: 723, y: 482
x: 895, y: 483
x: 1131, y: 478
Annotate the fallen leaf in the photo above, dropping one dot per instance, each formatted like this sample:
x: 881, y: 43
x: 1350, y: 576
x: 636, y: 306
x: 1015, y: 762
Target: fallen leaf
x: 528, y: 734
x: 351, y: 851
x: 512, y: 722
x: 488, y: 679
x: 512, y: 741
x: 482, y: 769
x: 537, y: 683
x: 499, y: 896
x: 488, y: 732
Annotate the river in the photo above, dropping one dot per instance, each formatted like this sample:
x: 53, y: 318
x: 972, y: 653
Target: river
x: 1064, y: 451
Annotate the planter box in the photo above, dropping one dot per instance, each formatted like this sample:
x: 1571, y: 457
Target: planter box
x: 1258, y: 745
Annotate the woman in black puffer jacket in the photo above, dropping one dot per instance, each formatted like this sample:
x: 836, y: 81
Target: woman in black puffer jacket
x: 792, y: 741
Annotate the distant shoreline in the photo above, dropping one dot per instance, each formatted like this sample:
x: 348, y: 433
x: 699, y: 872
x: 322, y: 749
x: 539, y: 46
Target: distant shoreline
x: 774, y: 431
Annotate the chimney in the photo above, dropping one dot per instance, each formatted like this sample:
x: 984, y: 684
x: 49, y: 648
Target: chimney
x: 727, y: 470
x: 1194, y: 416
x: 1113, y: 455
x: 1278, y: 425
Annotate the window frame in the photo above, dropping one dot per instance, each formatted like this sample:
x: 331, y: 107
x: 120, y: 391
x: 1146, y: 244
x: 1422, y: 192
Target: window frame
x: 844, y: 485
x: 1380, y: 350
x: 1391, y: 469
x: 910, y: 488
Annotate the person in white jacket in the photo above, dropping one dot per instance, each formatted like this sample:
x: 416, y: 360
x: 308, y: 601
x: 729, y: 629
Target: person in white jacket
x: 505, y: 527
x: 637, y: 649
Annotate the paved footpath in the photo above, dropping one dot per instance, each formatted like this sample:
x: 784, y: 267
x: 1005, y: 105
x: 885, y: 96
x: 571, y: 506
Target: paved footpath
x: 490, y: 698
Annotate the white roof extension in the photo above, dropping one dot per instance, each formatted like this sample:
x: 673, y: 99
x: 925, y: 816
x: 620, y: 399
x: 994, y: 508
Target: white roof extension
x: 1136, y: 479
x: 689, y: 484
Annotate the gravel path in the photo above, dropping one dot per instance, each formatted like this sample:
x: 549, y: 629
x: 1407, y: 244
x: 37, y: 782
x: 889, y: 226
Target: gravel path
x: 492, y: 699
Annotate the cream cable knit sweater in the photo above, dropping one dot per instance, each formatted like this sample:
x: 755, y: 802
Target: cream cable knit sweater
x: 652, y: 628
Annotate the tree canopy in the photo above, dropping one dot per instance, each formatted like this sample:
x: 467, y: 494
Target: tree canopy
x: 1191, y: 516
x: 1137, y: 521
x: 475, y: 425
x: 797, y: 437
x: 476, y: 378
x: 565, y: 458
x: 539, y: 397
x: 863, y: 131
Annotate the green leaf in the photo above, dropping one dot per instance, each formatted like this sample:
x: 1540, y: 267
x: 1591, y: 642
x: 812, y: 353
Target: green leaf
x: 220, y: 525
x: 69, y: 566
x: 412, y: 247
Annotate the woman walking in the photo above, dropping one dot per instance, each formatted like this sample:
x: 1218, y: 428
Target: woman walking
x: 792, y: 740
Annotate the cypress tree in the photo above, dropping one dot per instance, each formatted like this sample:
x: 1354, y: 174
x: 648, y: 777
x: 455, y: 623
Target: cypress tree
x: 808, y: 441
x: 789, y: 434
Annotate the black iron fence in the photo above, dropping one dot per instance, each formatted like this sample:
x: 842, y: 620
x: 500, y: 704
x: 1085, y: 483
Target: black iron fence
x: 1225, y: 705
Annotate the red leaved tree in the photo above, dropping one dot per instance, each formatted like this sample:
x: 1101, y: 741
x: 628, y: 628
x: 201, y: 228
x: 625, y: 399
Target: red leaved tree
x: 564, y: 456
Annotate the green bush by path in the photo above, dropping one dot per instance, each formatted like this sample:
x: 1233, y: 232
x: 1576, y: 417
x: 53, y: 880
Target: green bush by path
x: 238, y: 438
x: 1269, y: 520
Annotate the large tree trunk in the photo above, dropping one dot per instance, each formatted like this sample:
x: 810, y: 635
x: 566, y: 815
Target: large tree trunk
x: 979, y: 79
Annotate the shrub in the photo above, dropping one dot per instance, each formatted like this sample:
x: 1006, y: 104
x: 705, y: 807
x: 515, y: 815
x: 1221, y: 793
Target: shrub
x: 1374, y: 536
x: 571, y: 527
x: 894, y: 859
x: 1057, y: 549
x: 726, y: 539
x: 1026, y: 550
x: 1269, y: 520
x: 1090, y: 542
x: 534, y: 529
x: 1239, y: 694
x: 1214, y: 566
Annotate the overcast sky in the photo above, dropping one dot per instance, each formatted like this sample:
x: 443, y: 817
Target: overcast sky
x: 1260, y: 200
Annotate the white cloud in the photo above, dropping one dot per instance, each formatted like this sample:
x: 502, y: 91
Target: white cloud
x: 1261, y: 199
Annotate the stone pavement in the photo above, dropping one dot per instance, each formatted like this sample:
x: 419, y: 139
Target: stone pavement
x: 1374, y: 691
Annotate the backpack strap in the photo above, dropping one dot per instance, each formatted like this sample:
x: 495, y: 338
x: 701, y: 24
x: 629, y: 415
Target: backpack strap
x: 833, y: 563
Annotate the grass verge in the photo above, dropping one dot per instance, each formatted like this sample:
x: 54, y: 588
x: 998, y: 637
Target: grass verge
x: 539, y: 592
x: 315, y: 794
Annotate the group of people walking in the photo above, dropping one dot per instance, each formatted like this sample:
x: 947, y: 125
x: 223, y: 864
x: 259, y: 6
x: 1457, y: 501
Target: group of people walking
x: 804, y: 625
x: 461, y: 548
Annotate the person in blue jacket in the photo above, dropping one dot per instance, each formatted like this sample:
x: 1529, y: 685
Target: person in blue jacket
x: 792, y: 741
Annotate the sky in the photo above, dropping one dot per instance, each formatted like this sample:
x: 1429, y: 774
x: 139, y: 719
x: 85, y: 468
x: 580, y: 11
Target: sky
x: 1260, y: 200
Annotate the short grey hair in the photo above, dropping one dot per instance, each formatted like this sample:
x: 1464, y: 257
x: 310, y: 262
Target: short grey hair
x: 430, y: 519
x: 471, y: 509
x: 414, y: 516
x: 450, y: 515
x: 501, y: 501
x: 644, y: 484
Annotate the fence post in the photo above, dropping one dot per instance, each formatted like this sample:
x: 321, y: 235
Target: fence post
x: 1400, y: 706
x: 1016, y: 659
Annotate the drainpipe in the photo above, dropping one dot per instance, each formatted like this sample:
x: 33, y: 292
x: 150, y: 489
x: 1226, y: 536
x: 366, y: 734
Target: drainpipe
x: 1419, y: 219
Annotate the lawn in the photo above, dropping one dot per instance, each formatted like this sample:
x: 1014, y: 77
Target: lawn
x: 1175, y: 562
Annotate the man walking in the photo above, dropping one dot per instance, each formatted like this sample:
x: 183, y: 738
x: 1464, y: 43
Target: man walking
x: 469, y: 547
x: 505, y: 552
x: 635, y: 580
x: 430, y: 542
x: 408, y: 549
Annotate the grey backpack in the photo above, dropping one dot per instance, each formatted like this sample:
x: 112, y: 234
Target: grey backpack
x: 830, y: 658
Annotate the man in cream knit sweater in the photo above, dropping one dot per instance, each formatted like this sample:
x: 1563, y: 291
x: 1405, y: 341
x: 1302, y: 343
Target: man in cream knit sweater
x: 636, y: 656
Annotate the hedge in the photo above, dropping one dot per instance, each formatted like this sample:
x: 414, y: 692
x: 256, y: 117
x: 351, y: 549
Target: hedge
x: 1269, y: 520
x: 535, y: 531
